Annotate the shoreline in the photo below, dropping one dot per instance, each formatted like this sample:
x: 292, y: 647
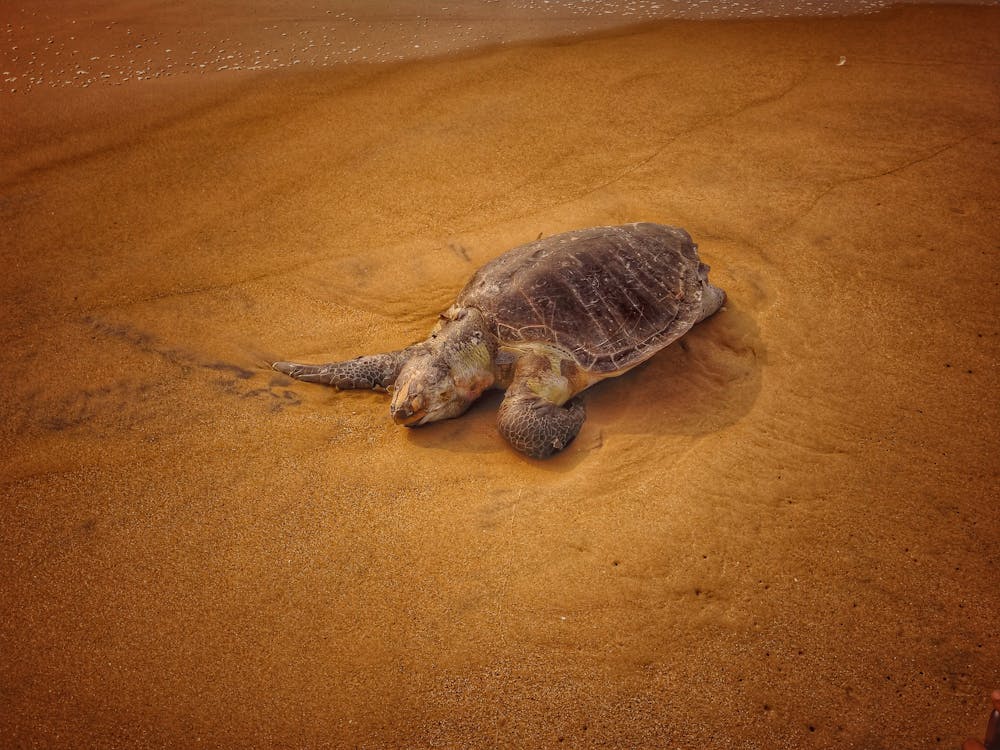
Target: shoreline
x: 104, y: 50
x: 147, y: 97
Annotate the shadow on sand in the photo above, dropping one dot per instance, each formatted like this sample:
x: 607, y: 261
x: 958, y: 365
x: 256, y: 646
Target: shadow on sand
x: 701, y: 384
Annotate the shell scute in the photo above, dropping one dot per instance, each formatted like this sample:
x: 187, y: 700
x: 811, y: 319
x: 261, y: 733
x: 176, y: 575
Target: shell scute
x: 609, y: 296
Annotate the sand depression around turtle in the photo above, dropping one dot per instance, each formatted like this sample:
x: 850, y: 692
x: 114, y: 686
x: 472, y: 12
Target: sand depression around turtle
x: 544, y: 322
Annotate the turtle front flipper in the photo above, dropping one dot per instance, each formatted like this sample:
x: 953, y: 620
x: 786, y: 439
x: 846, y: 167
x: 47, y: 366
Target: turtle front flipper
x: 535, y: 417
x: 372, y: 372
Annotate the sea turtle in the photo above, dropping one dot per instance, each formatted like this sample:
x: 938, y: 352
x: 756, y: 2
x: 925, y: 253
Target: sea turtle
x: 544, y: 321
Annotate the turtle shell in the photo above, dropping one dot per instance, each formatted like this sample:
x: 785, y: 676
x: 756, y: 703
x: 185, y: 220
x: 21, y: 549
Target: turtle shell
x: 609, y: 296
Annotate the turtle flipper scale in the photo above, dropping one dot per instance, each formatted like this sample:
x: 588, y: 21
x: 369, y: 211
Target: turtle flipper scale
x: 372, y: 372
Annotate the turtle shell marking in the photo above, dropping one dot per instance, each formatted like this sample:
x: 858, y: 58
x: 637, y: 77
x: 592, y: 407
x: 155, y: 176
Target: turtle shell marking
x: 610, y: 296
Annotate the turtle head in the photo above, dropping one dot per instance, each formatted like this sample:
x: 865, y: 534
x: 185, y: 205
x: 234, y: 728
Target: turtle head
x: 425, y: 391
x: 450, y: 371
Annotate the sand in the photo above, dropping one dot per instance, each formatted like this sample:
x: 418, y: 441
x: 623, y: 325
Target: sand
x: 781, y: 533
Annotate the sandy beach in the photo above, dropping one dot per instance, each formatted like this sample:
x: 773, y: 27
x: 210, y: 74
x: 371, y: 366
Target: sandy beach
x: 780, y: 532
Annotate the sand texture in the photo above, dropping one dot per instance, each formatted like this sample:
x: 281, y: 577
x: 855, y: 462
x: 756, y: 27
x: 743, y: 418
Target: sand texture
x: 780, y: 533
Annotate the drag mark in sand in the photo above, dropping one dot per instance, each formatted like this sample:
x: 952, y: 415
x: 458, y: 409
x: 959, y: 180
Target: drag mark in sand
x: 126, y: 402
x: 878, y: 175
x: 232, y: 375
x: 702, y: 125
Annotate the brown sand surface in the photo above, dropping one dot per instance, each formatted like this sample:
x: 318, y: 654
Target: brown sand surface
x: 780, y: 534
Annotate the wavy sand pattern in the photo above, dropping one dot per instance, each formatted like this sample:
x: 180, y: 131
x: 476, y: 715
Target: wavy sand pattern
x: 779, y: 533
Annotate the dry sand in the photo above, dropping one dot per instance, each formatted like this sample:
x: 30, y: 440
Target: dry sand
x: 780, y: 534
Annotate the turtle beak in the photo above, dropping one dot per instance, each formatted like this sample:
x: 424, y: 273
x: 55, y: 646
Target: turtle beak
x: 408, y: 406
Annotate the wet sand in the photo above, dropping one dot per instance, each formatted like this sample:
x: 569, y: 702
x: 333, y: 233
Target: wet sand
x: 778, y: 534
